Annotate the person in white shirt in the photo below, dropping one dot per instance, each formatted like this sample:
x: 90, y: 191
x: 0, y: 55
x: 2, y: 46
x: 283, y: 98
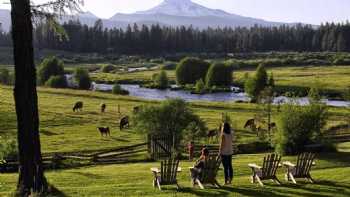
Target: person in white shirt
x: 226, y: 152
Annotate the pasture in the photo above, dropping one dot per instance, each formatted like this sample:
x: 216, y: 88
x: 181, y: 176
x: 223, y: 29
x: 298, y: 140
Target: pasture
x: 63, y: 130
x: 135, y: 179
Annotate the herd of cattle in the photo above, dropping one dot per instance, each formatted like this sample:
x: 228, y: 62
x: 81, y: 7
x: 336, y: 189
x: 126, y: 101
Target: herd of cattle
x: 254, y: 124
x: 105, y: 131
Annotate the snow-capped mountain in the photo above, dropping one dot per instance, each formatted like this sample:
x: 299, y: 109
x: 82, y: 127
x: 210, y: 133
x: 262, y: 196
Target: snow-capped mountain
x: 184, y: 8
x: 168, y: 13
x: 186, y: 12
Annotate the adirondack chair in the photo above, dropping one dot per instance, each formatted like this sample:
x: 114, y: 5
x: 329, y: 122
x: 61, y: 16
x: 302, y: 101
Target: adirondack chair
x: 302, y: 169
x: 209, y: 173
x: 167, y: 173
x: 267, y: 171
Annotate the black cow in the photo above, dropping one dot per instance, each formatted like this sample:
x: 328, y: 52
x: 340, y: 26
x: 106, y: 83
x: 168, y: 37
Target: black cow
x: 78, y: 106
x: 103, y: 107
x: 124, y: 122
x: 104, y: 131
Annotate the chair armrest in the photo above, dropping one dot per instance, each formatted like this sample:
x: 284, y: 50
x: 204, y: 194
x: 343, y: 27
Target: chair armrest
x: 179, y: 169
x: 288, y: 164
x: 253, y: 165
x: 155, y: 170
x: 313, y: 163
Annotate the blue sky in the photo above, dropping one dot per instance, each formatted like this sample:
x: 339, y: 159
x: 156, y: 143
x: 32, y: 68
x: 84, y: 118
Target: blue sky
x: 306, y: 11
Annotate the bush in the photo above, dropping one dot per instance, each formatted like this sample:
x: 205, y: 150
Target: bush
x: 254, y: 86
x: 173, y: 117
x: 161, y: 80
x: 57, y: 82
x: 81, y: 76
x: 50, y: 66
x: 189, y: 70
x: 219, y: 75
x: 117, y: 89
x: 200, y: 87
x: 299, y: 126
x: 8, y: 149
x: 5, y: 77
x: 108, y: 68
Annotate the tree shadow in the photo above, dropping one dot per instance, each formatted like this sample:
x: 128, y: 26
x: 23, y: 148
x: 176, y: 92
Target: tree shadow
x: 89, y: 175
x: 330, y: 187
x: 53, y: 191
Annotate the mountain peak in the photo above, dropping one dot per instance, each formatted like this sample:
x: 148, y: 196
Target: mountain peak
x: 183, y: 8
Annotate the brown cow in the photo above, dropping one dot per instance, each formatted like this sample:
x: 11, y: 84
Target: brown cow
x: 104, y: 131
x: 78, y: 106
x: 124, y: 122
x: 103, y: 107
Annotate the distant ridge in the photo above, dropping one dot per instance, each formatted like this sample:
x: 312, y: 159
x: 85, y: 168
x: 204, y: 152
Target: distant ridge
x: 169, y: 13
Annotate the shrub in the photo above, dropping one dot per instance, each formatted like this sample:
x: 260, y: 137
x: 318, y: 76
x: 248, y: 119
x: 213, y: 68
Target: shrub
x: 50, y: 66
x: 258, y: 83
x: 189, y: 70
x: 8, y: 149
x: 299, y: 126
x: 81, y: 76
x: 117, y: 89
x: 200, y: 87
x: 5, y: 77
x: 57, y: 82
x: 172, y: 116
x: 219, y: 75
x: 108, y: 68
x: 161, y: 80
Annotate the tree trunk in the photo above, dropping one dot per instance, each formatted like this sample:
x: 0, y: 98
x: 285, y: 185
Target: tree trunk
x: 31, y: 175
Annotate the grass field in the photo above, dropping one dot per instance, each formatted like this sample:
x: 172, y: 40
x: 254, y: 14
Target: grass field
x: 326, y: 77
x: 64, y: 131
x: 331, y: 175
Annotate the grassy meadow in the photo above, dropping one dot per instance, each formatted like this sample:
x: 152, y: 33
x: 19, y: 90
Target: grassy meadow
x: 326, y: 77
x: 62, y: 130
x: 331, y: 175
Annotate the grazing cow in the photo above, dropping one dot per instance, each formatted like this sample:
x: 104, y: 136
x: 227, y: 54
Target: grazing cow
x: 78, y: 106
x: 103, y: 107
x: 136, y: 109
x: 213, y: 133
x: 253, y: 125
x: 104, y: 131
x: 124, y: 122
x: 272, y: 126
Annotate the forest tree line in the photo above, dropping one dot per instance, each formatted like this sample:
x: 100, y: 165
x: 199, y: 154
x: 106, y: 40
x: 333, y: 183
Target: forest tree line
x: 162, y: 39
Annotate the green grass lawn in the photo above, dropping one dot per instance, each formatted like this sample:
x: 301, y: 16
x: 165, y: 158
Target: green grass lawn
x: 331, y: 175
x: 327, y: 77
x: 65, y: 131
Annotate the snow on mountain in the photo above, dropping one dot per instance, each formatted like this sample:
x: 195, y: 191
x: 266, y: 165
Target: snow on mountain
x: 184, y: 8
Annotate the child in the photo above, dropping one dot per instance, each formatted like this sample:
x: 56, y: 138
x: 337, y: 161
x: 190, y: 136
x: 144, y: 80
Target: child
x: 199, y: 165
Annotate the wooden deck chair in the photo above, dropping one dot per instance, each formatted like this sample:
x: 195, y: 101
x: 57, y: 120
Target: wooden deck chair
x: 302, y: 169
x: 209, y: 173
x: 167, y: 173
x: 267, y: 171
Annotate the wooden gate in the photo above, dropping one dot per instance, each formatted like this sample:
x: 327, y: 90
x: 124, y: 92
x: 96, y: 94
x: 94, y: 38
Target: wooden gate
x: 160, y: 146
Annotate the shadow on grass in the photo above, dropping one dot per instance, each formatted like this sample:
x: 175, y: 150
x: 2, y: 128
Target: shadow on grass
x: 342, y: 158
x: 89, y: 175
x: 329, y: 187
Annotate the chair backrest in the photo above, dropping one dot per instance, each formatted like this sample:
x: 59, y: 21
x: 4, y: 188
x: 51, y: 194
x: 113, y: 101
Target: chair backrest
x: 304, y: 164
x: 168, y: 171
x: 210, y: 169
x: 270, y: 165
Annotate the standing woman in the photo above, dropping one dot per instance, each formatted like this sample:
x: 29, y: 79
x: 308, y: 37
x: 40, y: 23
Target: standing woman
x: 226, y: 152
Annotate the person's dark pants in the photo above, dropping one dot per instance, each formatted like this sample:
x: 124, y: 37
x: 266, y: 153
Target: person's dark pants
x: 228, y: 170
